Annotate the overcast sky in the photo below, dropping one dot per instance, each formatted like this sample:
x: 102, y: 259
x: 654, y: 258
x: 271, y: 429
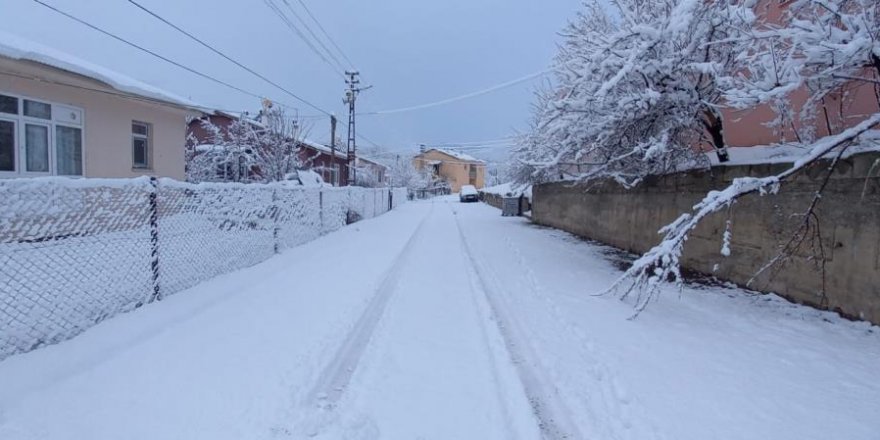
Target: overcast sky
x: 412, y: 52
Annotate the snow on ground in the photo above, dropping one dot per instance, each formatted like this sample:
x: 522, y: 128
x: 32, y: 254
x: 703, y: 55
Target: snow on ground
x: 449, y: 322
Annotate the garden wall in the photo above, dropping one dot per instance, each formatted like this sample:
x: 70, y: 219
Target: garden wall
x: 848, y: 223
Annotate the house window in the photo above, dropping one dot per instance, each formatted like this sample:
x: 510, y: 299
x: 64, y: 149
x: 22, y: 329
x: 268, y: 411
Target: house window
x: 7, y: 145
x: 36, y: 109
x: 39, y: 138
x: 140, y: 144
x: 473, y: 175
x: 8, y: 104
x: 68, y: 150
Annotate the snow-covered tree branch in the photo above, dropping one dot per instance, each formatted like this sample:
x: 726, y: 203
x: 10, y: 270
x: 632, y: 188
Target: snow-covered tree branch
x: 248, y: 150
x: 643, y: 91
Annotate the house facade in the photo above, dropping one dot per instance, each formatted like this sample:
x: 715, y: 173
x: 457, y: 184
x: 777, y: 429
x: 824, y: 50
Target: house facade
x: 457, y: 169
x: 62, y: 116
x: 372, y: 172
x: 330, y: 163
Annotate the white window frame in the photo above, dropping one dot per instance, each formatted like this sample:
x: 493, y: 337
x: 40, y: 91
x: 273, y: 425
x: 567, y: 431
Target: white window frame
x: 20, y: 121
x: 148, y: 138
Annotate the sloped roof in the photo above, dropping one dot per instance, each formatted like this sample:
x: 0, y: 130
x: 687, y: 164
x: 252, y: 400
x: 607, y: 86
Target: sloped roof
x: 323, y: 148
x: 457, y: 155
x: 18, y: 48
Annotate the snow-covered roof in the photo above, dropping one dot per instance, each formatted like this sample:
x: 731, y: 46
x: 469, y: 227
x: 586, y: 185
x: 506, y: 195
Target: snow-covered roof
x: 458, y: 155
x: 244, y: 116
x: 18, y: 48
x: 372, y: 161
x: 323, y: 148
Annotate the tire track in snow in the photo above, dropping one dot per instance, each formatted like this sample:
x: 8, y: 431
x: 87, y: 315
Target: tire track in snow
x: 335, y: 377
x: 610, y: 402
x: 554, y: 419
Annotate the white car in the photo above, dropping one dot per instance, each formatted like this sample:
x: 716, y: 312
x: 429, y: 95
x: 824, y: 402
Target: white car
x: 468, y: 194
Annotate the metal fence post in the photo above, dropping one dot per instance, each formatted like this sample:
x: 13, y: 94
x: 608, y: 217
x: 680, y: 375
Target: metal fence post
x: 275, y: 210
x: 154, y: 238
x: 321, y: 211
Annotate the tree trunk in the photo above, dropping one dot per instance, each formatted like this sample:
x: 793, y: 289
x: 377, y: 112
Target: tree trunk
x: 715, y: 126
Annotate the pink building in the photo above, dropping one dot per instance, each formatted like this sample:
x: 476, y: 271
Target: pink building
x: 854, y: 103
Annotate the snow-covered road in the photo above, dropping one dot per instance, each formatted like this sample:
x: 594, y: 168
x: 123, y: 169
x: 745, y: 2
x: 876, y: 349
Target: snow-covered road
x: 443, y: 320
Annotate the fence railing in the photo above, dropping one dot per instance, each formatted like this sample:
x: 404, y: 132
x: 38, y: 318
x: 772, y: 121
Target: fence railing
x: 74, y: 252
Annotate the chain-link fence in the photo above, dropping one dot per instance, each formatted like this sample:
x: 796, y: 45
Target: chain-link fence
x: 74, y: 252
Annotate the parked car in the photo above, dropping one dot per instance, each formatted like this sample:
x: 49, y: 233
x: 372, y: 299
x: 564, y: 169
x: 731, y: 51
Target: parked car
x: 468, y: 194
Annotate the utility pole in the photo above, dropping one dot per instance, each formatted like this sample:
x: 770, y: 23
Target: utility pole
x: 333, y: 149
x: 350, y: 98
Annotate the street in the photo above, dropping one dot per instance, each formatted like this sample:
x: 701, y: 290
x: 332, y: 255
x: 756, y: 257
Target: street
x: 445, y: 320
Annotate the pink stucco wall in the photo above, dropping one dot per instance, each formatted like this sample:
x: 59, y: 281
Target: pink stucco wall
x: 745, y: 128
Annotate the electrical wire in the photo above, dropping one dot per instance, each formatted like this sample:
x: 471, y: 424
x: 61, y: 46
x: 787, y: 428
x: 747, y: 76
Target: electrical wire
x: 218, y: 52
x: 476, y: 143
x: 312, y: 33
x: 286, y: 20
x: 463, y: 97
x: 156, y: 55
x: 324, y: 31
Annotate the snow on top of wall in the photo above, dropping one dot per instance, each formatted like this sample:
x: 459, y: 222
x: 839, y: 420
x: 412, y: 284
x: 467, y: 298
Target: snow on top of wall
x: 509, y: 190
x: 764, y: 154
x: 458, y: 155
x: 18, y: 48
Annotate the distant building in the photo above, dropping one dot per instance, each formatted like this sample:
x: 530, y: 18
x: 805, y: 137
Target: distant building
x: 330, y: 164
x: 455, y: 168
x: 372, y: 173
x: 62, y: 116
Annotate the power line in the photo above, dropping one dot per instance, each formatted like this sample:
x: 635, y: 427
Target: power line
x: 312, y: 33
x: 286, y: 20
x: 477, y: 143
x: 216, y: 51
x: 465, y: 96
x: 364, y: 138
x: 92, y: 89
x: 324, y: 31
x: 154, y: 54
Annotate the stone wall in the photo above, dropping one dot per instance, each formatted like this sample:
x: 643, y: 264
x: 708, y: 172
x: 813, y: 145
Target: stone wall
x: 497, y: 200
x: 491, y: 199
x: 848, y: 221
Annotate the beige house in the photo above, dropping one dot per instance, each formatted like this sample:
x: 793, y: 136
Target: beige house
x: 60, y: 115
x: 455, y: 168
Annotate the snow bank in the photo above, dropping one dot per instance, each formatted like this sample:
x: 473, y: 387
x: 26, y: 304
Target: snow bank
x: 509, y: 190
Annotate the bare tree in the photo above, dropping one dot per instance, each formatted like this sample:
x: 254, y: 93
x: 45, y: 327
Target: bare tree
x: 823, y: 46
x: 248, y: 150
x: 277, y: 146
x: 634, y: 95
x: 403, y: 173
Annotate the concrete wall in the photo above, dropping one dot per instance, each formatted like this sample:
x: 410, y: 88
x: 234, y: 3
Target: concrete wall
x: 849, y: 222
x: 107, y: 144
